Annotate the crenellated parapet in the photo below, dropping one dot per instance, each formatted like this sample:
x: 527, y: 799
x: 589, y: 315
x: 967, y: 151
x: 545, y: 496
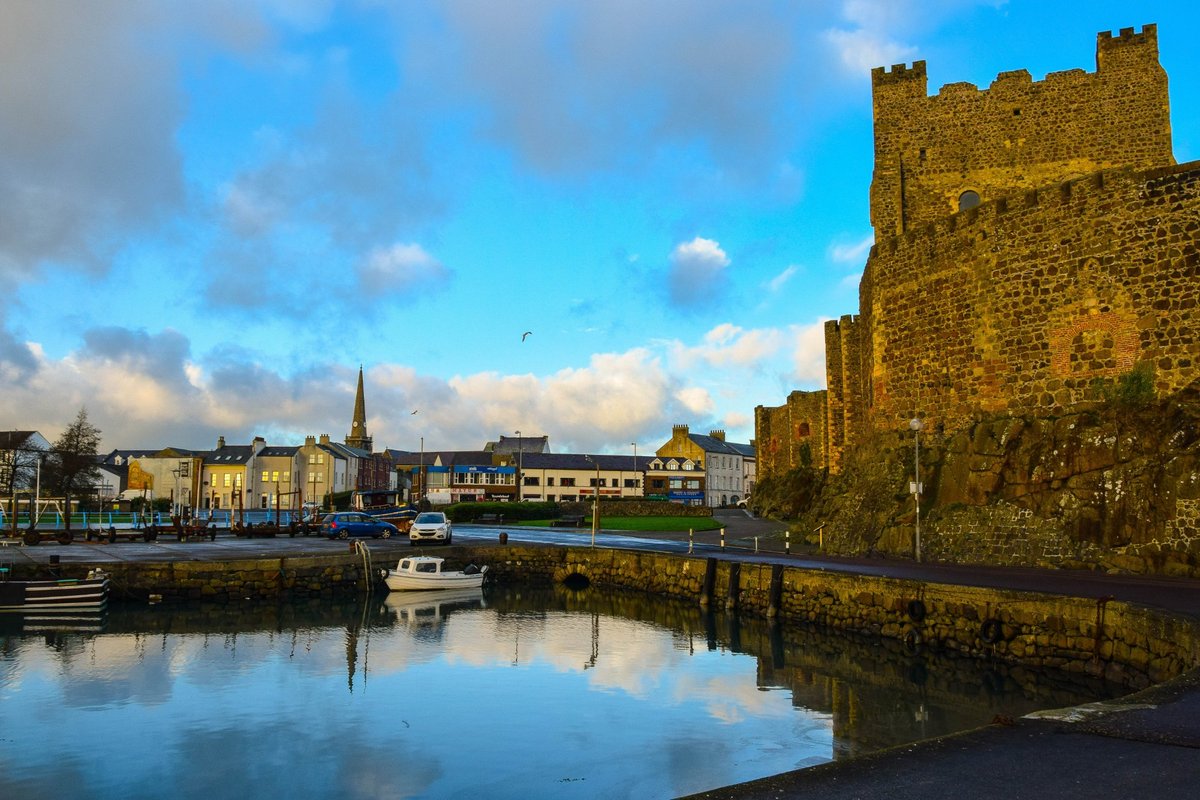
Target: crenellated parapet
x: 937, y: 154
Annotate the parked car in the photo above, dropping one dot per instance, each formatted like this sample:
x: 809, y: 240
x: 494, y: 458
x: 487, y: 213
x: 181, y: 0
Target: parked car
x: 348, y: 524
x: 430, y: 526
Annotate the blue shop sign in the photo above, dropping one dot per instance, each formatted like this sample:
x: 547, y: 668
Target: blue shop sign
x: 489, y: 470
x: 687, y: 495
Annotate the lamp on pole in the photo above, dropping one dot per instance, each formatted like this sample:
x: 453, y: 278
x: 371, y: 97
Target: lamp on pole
x: 595, y: 500
x: 520, y: 453
x: 636, y: 475
x: 915, y: 486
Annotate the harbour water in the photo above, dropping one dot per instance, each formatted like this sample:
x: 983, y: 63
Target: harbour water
x: 548, y: 694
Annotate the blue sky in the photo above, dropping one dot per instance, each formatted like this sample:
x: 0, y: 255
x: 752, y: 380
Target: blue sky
x: 214, y: 212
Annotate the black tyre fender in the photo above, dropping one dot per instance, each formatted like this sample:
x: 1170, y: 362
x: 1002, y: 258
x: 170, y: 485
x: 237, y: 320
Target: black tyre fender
x: 916, y: 610
x: 912, y: 640
x: 991, y: 631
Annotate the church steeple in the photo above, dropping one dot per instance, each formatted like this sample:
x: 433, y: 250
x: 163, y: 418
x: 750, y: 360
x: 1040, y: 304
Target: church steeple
x: 358, y: 426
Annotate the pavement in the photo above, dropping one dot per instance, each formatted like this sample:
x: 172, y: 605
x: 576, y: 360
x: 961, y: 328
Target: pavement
x: 1145, y: 745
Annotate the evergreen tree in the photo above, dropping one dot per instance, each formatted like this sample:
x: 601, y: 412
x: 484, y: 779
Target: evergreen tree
x: 73, y: 467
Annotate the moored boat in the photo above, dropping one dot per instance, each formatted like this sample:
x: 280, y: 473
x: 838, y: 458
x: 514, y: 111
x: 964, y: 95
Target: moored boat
x: 428, y: 572
x: 54, y: 594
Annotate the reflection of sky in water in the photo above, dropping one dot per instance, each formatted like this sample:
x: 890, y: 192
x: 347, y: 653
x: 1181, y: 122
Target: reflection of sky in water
x: 472, y: 703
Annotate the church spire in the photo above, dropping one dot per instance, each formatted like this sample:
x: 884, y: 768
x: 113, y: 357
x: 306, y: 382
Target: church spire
x: 358, y: 426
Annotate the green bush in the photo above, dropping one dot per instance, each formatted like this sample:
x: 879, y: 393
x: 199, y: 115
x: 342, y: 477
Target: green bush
x: 469, y: 512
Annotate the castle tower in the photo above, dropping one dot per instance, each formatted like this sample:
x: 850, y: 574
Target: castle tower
x: 358, y: 437
x: 936, y: 156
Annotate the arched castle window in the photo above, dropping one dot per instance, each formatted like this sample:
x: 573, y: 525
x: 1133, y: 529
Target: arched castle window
x: 968, y: 199
x: 803, y: 429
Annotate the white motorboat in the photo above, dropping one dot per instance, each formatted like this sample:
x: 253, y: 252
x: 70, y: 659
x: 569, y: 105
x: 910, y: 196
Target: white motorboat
x: 427, y: 572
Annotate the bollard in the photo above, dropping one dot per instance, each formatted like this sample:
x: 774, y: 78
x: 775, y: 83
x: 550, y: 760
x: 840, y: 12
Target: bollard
x: 722, y: 538
x: 691, y: 544
x: 503, y: 537
x: 787, y: 542
x: 756, y: 544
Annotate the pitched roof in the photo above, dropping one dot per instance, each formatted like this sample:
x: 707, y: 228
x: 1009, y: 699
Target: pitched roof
x: 582, y: 461
x: 711, y: 444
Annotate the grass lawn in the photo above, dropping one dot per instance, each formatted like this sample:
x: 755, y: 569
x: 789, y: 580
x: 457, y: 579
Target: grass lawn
x: 642, y: 523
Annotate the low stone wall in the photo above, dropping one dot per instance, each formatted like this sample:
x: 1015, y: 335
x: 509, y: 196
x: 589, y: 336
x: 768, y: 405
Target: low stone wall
x: 238, y: 580
x: 1128, y: 644
x: 1125, y: 643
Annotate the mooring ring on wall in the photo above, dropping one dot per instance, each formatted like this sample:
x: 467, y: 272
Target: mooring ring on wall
x: 991, y: 631
x: 912, y: 640
x: 916, y: 610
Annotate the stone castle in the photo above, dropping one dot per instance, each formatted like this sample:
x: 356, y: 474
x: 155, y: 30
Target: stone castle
x: 1031, y: 238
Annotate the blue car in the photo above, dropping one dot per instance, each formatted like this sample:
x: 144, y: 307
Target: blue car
x: 352, y: 524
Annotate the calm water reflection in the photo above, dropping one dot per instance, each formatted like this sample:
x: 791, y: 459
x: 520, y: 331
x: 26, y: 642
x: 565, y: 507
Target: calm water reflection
x: 554, y: 694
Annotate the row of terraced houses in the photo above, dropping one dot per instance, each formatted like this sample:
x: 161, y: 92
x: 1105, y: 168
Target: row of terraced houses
x: 693, y: 469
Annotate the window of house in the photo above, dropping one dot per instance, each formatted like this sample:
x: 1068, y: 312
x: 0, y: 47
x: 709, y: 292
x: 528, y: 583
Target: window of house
x: 630, y: 483
x: 568, y: 481
x: 228, y: 480
x: 550, y: 481
x: 275, y: 475
x: 968, y: 199
x: 531, y: 480
x: 287, y: 476
x: 266, y: 475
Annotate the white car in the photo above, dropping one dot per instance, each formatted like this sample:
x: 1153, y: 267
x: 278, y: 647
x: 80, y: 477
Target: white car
x: 431, y: 526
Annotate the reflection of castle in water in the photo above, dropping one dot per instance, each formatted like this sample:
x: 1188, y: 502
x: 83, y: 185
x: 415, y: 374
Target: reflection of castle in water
x: 874, y: 693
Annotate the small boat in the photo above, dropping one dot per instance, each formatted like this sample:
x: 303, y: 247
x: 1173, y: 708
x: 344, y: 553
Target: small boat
x: 426, y: 572
x: 54, y: 595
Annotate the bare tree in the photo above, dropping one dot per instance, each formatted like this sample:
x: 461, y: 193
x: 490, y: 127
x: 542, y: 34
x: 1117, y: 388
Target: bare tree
x: 73, y: 467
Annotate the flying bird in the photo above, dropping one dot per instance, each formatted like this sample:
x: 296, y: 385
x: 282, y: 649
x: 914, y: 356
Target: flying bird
x: 526, y: 333
x: 415, y: 411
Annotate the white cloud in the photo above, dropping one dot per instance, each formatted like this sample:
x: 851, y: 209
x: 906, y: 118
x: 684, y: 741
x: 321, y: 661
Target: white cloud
x: 728, y: 346
x: 695, y: 400
x: 779, y: 281
x: 867, y: 42
x: 697, y: 272
x: 852, y: 252
x: 400, y: 268
x: 808, y: 354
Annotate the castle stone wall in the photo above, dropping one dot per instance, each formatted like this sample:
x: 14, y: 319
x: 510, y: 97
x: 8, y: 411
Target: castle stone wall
x: 1019, y: 305
x: 784, y: 432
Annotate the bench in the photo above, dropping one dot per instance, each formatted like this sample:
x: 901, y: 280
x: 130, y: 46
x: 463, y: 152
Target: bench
x: 574, y: 520
x: 495, y: 519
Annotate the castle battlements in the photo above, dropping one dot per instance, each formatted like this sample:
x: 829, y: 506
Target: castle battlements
x: 1078, y: 193
x: 899, y: 73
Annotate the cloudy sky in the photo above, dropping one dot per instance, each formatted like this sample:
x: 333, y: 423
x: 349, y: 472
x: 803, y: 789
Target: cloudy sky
x: 212, y: 212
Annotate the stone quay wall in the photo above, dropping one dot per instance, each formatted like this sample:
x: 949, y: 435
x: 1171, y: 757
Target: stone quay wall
x: 1125, y: 643
x: 254, y: 579
x: 1128, y: 644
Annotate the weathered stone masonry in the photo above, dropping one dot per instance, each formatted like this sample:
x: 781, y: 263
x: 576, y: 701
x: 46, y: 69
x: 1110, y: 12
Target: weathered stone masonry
x: 1128, y: 644
x: 1031, y: 238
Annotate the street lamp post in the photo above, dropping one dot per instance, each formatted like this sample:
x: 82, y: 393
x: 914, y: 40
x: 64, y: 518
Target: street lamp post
x: 916, y: 425
x: 595, y: 500
x: 636, y: 475
x: 520, y: 454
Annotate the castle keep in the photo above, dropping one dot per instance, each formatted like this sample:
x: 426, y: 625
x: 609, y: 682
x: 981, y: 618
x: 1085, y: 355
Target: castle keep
x: 1030, y: 238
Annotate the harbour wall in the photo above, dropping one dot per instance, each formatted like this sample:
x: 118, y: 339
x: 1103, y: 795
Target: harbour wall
x: 1132, y: 645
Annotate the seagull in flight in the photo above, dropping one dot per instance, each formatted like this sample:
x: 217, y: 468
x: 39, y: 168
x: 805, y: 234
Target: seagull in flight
x: 526, y: 333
